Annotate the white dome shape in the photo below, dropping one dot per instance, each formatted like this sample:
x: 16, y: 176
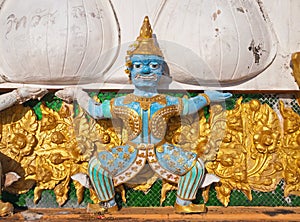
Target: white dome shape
x: 233, y: 39
x: 58, y: 41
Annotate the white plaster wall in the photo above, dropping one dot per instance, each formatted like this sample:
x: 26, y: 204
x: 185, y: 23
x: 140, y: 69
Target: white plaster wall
x: 283, y: 15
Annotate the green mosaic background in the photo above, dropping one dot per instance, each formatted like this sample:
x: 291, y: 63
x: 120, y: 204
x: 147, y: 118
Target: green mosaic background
x: 152, y: 198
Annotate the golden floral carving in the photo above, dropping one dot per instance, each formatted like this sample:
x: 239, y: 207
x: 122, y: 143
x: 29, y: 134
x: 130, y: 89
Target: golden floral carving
x: 66, y: 144
x: 264, y: 167
x: 241, y: 146
x: 6, y: 209
x: 166, y: 187
x: 19, y: 127
x: 290, y: 150
x: 48, y: 152
x: 249, y: 155
x: 296, y: 66
x: 247, y: 147
x: 189, y: 132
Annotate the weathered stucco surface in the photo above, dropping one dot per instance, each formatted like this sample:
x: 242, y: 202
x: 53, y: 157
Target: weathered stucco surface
x: 231, y: 45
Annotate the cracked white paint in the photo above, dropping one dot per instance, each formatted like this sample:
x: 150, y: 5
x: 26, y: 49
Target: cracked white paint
x: 219, y: 33
x: 57, y: 41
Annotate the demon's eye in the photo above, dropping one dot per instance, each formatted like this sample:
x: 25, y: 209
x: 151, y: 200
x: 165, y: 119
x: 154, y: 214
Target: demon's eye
x: 137, y: 65
x: 154, y: 65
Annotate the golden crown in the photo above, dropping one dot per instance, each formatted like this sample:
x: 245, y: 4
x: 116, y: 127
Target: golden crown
x: 145, y: 44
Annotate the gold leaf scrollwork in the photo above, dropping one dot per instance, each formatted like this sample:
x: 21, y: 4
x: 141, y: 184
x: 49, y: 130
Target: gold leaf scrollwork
x: 18, y: 141
x: 189, y: 132
x: 69, y: 147
x: 290, y: 150
x: 60, y: 153
x: 247, y: 147
x: 264, y: 167
x: 230, y: 164
x: 48, y: 152
x: 249, y: 155
x: 296, y: 66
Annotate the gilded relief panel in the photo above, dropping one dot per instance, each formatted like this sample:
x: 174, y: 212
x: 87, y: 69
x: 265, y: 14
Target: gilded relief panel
x: 248, y: 148
x: 290, y: 150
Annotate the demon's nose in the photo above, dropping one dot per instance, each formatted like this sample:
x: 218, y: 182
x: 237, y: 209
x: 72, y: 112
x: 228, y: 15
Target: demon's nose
x: 146, y: 70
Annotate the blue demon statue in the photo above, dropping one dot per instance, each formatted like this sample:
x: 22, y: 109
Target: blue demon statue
x: 145, y: 113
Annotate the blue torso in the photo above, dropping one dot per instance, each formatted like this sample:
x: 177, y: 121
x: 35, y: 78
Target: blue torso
x: 151, y: 116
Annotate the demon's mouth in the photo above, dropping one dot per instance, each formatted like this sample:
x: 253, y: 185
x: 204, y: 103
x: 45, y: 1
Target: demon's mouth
x: 151, y: 77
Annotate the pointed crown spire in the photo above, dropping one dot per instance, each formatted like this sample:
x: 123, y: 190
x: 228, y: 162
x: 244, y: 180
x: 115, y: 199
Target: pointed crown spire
x: 146, y: 30
x: 146, y: 43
